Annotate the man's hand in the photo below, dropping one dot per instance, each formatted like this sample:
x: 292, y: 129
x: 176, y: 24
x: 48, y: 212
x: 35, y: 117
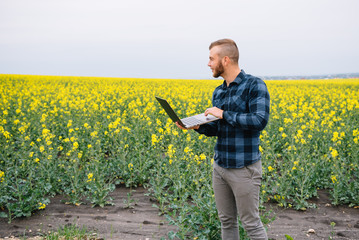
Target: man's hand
x: 178, y: 125
x: 215, y: 111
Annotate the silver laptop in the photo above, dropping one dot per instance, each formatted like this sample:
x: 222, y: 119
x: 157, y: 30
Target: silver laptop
x: 187, y: 122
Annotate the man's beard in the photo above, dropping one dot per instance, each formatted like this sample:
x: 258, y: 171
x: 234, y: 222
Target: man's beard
x: 218, y: 70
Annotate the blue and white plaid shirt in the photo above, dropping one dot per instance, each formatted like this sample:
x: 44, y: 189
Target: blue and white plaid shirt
x: 246, y: 104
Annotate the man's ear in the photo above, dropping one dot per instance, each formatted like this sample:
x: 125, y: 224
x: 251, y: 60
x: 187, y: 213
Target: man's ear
x: 226, y: 60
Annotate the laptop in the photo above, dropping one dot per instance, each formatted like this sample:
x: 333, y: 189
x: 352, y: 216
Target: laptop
x: 187, y: 122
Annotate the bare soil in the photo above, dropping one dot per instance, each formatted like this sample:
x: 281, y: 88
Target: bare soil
x: 144, y: 223
x: 316, y: 223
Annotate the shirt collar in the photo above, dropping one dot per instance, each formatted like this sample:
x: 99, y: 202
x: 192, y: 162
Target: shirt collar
x: 240, y: 77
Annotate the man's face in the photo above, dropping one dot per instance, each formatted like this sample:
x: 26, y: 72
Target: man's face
x: 215, y: 62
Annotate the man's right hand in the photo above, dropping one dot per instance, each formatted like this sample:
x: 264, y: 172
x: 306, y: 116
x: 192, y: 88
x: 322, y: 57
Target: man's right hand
x: 183, y: 128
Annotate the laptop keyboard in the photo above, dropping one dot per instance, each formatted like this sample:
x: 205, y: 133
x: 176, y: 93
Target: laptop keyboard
x: 191, y: 121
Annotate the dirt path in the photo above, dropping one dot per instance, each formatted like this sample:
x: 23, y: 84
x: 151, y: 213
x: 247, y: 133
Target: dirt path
x: 143, y: 222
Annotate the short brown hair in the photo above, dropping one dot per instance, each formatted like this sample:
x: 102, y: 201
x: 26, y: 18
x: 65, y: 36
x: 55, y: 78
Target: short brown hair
x: 228, y: 48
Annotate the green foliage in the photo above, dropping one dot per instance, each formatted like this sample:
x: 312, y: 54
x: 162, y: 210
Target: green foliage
x: 82, y: 136
x: 69, y: 232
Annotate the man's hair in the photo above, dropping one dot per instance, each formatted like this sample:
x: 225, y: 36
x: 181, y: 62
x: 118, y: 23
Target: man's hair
x: 228, y: 48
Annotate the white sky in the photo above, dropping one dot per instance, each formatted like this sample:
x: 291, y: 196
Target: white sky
x: 170, y: 39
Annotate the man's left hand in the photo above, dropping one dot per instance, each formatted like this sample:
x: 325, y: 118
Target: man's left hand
x: 215, y: 111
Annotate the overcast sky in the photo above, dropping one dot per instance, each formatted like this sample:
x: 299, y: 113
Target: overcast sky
x: 170, y: 39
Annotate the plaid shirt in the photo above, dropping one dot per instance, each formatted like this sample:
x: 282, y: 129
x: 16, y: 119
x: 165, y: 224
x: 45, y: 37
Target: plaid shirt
x: 246, y: 112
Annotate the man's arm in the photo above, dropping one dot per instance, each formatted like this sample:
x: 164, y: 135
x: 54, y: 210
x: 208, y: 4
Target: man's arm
x: 259, y: 104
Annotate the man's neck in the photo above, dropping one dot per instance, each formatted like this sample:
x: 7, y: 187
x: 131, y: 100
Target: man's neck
x: 231, y: 74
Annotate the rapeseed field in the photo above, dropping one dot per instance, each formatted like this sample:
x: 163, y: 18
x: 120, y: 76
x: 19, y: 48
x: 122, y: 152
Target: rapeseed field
x: 82, y: 136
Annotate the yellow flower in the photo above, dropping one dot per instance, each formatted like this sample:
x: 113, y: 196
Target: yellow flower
x: 171, y: 151
x: 278, y: 197
x: 333, y: 152
x: 154, y: 139
x: 89, y: 177
x: 130, y: 166
x: 287, y: 121
x: 299, y: 132
x: 261, y: 149
x: 334, y: 178
x: 45, y: 131
x: 7, y: 134
x: 188, y: 138
x: 2, y: 176
x: 127, y: 129
x: 270, y: 168
x: 335, y: 136
x: 69, y: 124
x: 41, y: 206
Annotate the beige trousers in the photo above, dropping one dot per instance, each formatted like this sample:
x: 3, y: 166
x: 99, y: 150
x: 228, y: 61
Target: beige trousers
x: 237, y: 194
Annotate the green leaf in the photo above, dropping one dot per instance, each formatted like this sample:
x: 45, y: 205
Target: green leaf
x: 288, y: 237
x: 3, y: 215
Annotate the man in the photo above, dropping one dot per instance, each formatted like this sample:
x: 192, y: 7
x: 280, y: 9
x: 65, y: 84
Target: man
x: 242, y: 104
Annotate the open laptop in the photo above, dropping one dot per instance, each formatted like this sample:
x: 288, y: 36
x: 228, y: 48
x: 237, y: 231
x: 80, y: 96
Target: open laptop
x: 187, y: 122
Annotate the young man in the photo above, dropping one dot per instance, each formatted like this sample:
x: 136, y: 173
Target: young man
x: 242, y: 104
